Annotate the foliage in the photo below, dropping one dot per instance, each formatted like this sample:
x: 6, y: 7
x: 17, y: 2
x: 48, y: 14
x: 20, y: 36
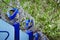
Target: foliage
x: 46, y: 14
